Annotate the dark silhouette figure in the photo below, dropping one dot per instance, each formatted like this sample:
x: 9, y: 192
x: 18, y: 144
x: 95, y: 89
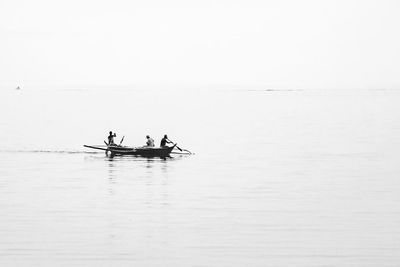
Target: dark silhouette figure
x: 111, y: 138
x: 165, y: 141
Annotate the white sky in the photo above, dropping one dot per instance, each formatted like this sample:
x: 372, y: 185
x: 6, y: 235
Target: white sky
x: 274, y: 44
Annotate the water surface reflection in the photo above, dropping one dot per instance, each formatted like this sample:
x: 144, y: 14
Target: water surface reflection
x: 295, y: 179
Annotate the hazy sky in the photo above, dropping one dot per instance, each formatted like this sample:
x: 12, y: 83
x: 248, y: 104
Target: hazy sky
x: 285, y: 44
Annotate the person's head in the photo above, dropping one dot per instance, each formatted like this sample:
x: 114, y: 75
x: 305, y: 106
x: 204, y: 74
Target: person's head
x: 147, y: 136
x: 110, y: 133
x: 165, y: 136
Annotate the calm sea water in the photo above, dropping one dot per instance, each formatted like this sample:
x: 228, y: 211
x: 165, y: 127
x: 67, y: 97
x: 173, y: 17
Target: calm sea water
x: 279, y: 178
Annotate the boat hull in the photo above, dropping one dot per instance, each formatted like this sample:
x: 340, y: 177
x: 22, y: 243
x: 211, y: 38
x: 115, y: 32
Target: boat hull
x: 162, y: 152
x: 142, y: 151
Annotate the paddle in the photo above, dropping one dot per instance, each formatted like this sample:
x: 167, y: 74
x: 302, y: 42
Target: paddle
x: 175, y: 144
x: 122, y: 140
x: 187, y: 151
x: 180, y: 148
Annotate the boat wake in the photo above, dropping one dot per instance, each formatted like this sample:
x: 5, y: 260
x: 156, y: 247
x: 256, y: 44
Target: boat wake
x: 51, y: 151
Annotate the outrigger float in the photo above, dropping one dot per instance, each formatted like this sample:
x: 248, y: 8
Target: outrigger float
x: 118, y: 150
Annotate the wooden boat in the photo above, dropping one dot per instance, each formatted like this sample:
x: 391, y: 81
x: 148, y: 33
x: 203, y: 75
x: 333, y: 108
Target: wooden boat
x: 161, y: 152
